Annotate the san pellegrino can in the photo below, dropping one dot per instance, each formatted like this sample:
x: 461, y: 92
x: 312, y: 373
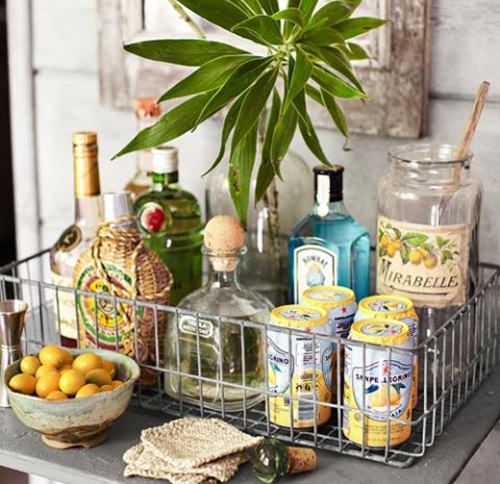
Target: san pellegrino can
x: 387, y: 306
x: 379, y: 382
x: 299, y: 367
x: 340, y: 305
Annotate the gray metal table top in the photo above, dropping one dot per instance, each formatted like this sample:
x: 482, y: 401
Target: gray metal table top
x: 22, y: 449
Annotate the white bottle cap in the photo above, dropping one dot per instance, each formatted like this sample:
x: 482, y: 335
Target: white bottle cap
x: 117, y: 205
x: 165, y: 159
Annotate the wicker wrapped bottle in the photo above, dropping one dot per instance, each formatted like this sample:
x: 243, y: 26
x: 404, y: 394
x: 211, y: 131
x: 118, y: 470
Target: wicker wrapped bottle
x: 118, y: 264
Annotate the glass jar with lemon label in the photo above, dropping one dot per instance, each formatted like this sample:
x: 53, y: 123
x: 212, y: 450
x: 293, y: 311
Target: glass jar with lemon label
x: 429, y: 205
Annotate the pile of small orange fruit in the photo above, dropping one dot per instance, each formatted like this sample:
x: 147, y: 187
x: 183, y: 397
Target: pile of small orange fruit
x: 56, y: 375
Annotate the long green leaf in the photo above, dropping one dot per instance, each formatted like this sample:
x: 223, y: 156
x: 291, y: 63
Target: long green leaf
x: 251, y: 7
x: 307, y: 7
x: 238, y: 82
x: 261, y: 28
x: 182, y: 52
x: 209, y: 76
x: 227, y: 128
x: 336, y: 113
x: 314, y: 94
x: 282, y: 137
x: 326, y: 100
x: 171, y: 125
x: 301, y: 73
x: 293, y: 15
x: 223, y: 13
x: 307, y: 129
x: 334, y: 85
x: 266, y: 173
x: 356, y: 52
x: 329, y: 15
x: 359, y: 26
x: 334, y: 58
x: 324, y: 36
x: 289, y: 28
x: 253, y: 105
x: 240, y: 173
x: 270, y: 6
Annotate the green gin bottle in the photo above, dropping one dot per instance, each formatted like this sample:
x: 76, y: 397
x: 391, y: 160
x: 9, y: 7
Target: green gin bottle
x: 169, y: 219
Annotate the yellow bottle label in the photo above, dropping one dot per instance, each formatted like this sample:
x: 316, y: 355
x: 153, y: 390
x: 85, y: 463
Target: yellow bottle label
x: 424, y: 263
x: 64, y: 307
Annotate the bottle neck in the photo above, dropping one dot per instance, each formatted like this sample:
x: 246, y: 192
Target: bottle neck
x: 224, y: 271
x: 328, y: 196
x: 331, y: 208
x: 88, y: 211
x: 165, y: 180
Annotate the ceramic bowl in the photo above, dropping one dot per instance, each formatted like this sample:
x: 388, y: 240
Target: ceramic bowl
x: 76, y: 422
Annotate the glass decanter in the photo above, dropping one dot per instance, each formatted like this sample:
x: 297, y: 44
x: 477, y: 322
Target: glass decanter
x: 169, y: 219
x: 201, y: 344
x: 329, y: 247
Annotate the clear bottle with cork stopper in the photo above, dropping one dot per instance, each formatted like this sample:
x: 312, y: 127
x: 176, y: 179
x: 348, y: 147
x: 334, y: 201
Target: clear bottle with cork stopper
x: 199, y: 344
x: 76, y: 238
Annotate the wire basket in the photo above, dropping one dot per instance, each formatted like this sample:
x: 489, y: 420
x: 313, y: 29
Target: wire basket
x: 453, y: 363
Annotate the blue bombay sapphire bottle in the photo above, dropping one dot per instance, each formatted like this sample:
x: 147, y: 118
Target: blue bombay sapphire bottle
x: 329, y: 247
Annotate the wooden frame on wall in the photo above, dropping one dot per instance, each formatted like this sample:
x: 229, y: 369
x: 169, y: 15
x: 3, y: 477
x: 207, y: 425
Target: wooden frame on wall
x: 396, y: 77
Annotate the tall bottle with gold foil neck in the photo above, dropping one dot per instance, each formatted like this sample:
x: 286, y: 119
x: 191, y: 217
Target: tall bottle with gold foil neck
x: 147, y: 113
x: 76, y: 238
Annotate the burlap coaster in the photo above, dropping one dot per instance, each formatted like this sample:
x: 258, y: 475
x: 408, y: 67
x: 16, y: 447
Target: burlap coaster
x: 191, y: 442
x: 144, y: 463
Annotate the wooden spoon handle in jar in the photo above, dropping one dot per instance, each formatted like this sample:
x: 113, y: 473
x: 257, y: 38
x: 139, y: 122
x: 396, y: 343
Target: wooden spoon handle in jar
x: 475, y: 115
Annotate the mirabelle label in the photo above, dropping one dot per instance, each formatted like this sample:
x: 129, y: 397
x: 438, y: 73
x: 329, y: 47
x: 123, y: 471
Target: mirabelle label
x: 424, y: 263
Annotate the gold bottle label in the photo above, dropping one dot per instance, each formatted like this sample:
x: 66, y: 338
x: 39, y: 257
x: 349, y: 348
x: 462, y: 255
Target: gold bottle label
x: 425, y: 263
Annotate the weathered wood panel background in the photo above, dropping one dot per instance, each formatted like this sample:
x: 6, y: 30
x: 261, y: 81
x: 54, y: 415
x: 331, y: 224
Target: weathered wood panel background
x: 465, y: 40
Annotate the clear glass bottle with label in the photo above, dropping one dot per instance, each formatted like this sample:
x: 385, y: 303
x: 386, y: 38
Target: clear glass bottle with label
x: 429, y: 205
x: 199, y: 344
x: 169, y: 219
x: 329, y: 248
x: 76, y: 238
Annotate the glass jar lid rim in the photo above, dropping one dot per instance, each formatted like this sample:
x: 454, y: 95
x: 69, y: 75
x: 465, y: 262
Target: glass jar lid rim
x: 403, y: 154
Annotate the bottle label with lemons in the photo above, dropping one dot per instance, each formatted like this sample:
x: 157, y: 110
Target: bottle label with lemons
x: 314, y: 266
x: 424, y: 263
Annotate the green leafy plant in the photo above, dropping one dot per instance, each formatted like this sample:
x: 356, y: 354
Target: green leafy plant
x: 308, y: 55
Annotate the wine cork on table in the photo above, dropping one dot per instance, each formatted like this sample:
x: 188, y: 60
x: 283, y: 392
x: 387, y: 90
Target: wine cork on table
x: 300, y: 460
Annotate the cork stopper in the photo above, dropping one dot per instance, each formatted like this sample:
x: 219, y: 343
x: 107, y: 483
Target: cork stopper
x: 300, y: 460
x: 224, y: 239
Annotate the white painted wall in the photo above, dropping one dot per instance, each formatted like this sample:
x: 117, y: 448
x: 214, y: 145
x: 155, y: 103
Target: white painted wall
x: 465, y: 39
